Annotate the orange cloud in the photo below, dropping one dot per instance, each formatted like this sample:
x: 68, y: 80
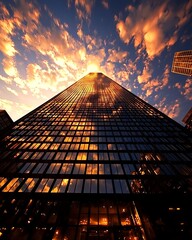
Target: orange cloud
x: 122, y: 75
x: 7, y: 46
x: 9, y: 67
x: 147, y: 26
x: 116, y: 56
x: 149, y: 84
x: 172, y: 110
x: 83, y: 8
x: 27, y: 12
x: 178, y: 85
x: 188, y: 89
x: 146, y: 75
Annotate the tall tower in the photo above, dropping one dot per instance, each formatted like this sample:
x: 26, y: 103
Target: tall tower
x: 95, y: 162
x: 182, y: 63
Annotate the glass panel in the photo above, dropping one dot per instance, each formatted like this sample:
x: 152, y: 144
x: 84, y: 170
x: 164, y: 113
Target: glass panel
x: 13, y: 185
x: 102, y: 187
x: 28, y: 185
x: 87, y: 186
x: 93, y: 185
x: 59, y: 186
x: 109, y: 186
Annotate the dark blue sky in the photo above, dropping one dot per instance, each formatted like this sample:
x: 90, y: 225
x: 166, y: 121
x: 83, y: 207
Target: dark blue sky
x: 45, y: 46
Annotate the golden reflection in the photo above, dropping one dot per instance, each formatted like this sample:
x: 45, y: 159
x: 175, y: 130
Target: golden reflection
x: 48, y: 185
x: 85, y: 139
x: 31, y: 182
x: 54, y: 146
x: 59, y: 185
x: 83, y: 222
x: 12, y: 185
x: 125, y: 221
x: 103, y: 221
x: 2, y: 181
x: 84, y: 146
x: 44, y: 146
x: 136, y: 218
x: 91, y: 169
x: 95, y: 156
x: 57, y: 235
x: 93, y: 221
x: 82, y: 156
x: 101, y: 168
x: 73, y: 127
x: 93, y: 147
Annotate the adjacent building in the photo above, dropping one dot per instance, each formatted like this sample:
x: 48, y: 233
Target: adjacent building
x: 188, y: 120
x: 5, y: 120
x: 95, y: 162
x: 182, y: 63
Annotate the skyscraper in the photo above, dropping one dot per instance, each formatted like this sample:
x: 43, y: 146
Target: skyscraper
x: 182, y: 63
x: 95, y: 162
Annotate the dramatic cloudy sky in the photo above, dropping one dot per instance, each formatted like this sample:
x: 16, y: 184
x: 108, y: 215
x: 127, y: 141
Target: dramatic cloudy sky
x: 46, y: 46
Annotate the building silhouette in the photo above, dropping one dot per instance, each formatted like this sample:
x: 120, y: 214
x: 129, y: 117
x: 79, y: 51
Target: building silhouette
x: 182, y: 63
x: 188, y: 120
x: 95, y: 162
x: 5, y: 120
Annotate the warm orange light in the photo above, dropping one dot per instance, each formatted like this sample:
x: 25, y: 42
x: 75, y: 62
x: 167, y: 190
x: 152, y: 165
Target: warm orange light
x: 92, y: 67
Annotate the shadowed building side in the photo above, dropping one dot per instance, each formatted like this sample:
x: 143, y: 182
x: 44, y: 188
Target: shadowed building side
x: 188, y: 120
x: 5, y: 120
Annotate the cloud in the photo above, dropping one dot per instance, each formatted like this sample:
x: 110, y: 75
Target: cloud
x: 177, y: 85
x: 45, y: 77
x: 105, y: 3
x: 147, y: 25
x: 83, y: 8
x: 172, y: 110
x: 146, y: 74
x: 184, y: 13
x: 28, y: 13
x: 7, y: 46
x: 12, y: 91
x: 6, y: 80
x: 187, y: 89
x: 122, y: 75
x: 150, y: 84
x: 9, y: 67
x: 164, y: 79
x: 117, y: 55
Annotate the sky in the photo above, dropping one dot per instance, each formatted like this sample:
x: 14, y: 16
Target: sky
x: 47, y: 45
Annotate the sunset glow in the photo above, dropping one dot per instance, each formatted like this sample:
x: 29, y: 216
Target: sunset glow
x: 46, y: 46
x: 92, y: 68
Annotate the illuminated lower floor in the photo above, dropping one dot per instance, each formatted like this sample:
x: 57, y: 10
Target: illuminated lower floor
x: 91, y: 219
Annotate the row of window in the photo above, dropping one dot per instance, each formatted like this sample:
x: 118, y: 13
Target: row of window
x: 97, y: 127
x: 50, y: 144
x: 93, y: 185
x: 95, y: 168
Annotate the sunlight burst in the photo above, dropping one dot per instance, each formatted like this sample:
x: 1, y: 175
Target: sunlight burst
x: 92, y: 68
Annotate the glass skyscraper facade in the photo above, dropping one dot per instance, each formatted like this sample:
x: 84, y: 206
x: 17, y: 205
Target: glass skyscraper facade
x: 95, y: 162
